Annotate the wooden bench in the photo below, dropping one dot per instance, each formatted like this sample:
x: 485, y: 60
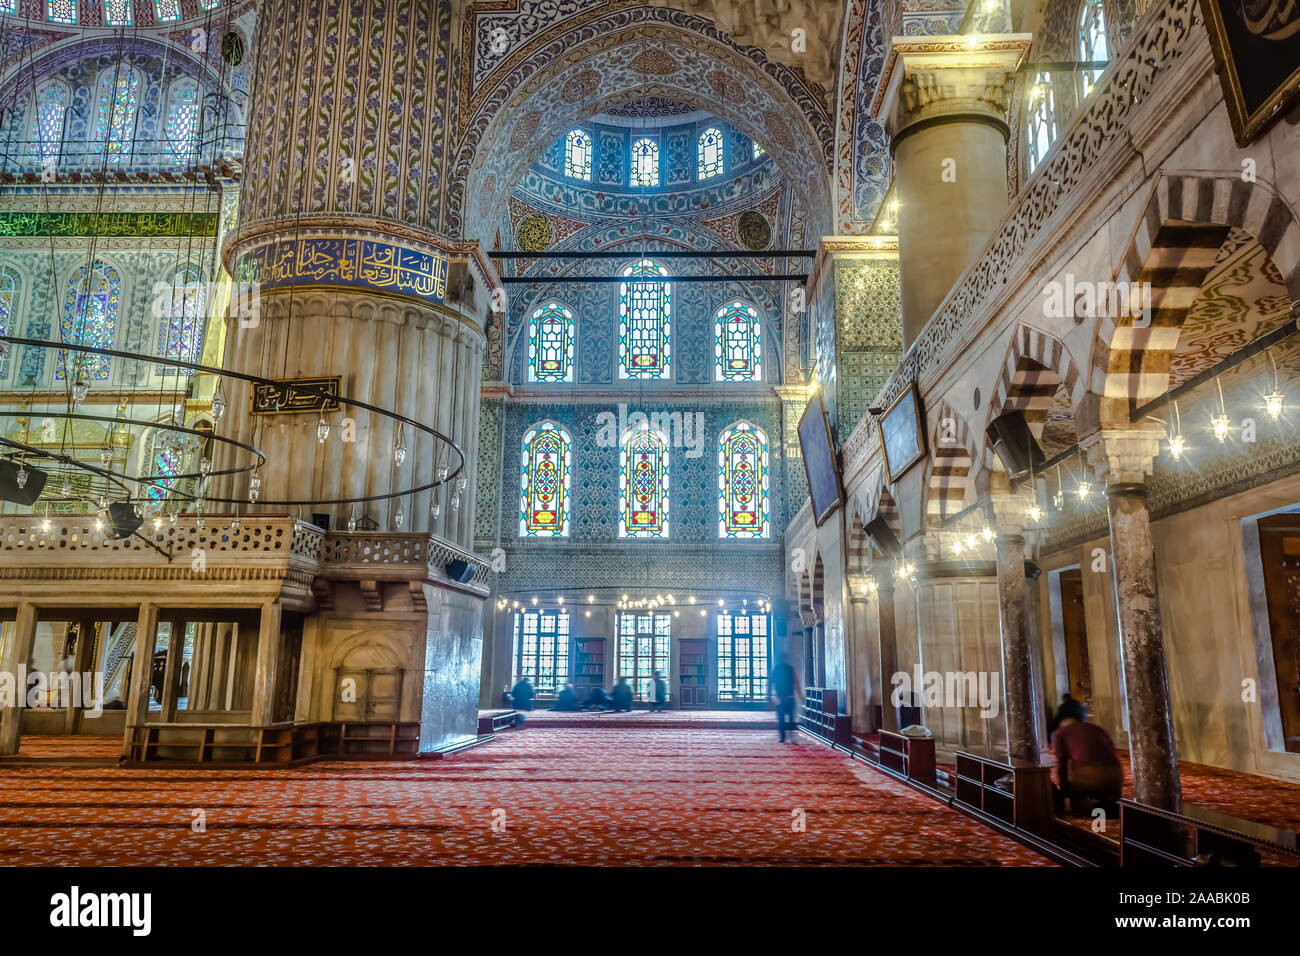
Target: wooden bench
x: 495, y: 721
x: 1026, y: 806
x: 911, y: 758
x: 820, y: 716
x: 1152, y: 837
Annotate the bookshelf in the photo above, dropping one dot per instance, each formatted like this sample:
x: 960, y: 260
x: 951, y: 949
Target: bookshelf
x: 693, y: 673
x: 588, y: 665
x: 1025, y: 805
x: 820, y: 715
x: 910, y: 757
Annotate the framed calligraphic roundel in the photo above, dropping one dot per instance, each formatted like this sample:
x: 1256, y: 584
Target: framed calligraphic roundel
x: 232, y: 48
x: 1256, y: 47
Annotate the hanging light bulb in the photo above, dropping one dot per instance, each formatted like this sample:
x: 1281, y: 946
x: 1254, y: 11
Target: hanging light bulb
x: 66, y: 487
x: 400, y: 518
x: 443, y: 471
x: 435, y: 511
x: 218, y: 405
x: 205, y: 466
x: 106, y: 452
x: 971, y: 542
x: 234, y: 525
x: 1035, y: 513
x: 99, y: 524
x: 1273, y: 404
x: 21, y: 478
x: 1176, y: 445
x: 987, y: 533
x: 399, y: 447
x: 1083, y: 489
x: 157, y: 524
x: 352, y: 523
x: 80, y: 388
x: 254, y: 487
x: 455, y: 501
x: 322, y: 430
x: 958, y: 546
x: 45, y: 524
x: 461, y: 482
x: 1219, y: 424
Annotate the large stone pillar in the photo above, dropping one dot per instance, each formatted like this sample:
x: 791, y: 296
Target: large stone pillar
x: 341, y: 221
x: 1017, y: 659
x: 888, y: 645
x: 945, y: 111
x: 137, y: 697
x: 17, y: 657
x: 1123, y: 460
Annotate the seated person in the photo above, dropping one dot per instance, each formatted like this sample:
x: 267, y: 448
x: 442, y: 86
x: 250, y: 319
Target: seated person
x: 597, y: 700
x: 523, y: 694
x: 568, y: 699
x: 622, y: 695
x: 1088, y: 772
x: 660, y: 699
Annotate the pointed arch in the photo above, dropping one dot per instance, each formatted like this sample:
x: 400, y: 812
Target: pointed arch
x: 743, y: 482
x: 950, y: 469
x: 91, y: 303
x: 1173, y: 250
x: 738, y: 343
x: 182, y: 127
x: 711, y: 153
x: 643, y: 483
x: 115, y: 112
x: 551, y: 339
x: 49, y: 120
x: 545, y: 465
x: 180, y: 333
x: 645, y: 321
x: 1040, y: 379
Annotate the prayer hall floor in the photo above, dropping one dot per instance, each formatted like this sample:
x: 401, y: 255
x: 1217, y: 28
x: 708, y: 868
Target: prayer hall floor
x: 584, y: 796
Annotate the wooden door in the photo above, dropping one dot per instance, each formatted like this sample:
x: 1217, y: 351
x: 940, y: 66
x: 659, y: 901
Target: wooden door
x: 1279, y: 543
x: 1075, y: 628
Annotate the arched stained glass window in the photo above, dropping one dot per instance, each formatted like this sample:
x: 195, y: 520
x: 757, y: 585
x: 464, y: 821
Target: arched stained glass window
x: 62, y: 11
x: 166, y: 462
x: 209, y: 4
x: 643, y: 484
x: 1092, y: 41
x: 758, y: 150
x: 90, y: 309
x: 645, y: 322
x: 550, y: 344
x: 8, y: 302
x: 119, y: 90
x: 181, y: 335
x: 117, y: 13
x: 183, y: 119
x: 743, y: 482
x: 645, y: 163
x: 737, y: 346
x: 165, y: 10
x: 577, y: 155
x: 544, y: 482
x: 48, y: 121
x: 710, y: 153
x: 1041, y: 119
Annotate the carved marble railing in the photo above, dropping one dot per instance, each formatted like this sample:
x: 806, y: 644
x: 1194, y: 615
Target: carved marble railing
x: 442, y: 552
x: 375, y: 551
x: 36, y: 541
x: 1164, y: 36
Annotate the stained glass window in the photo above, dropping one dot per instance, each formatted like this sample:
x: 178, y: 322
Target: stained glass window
x: 1041, y: 119
x: 644, y: 643
x: 758, y: 150
x: 62, y: 11
x: 181, y: 335
x: 47, y: 122
x: 550, y: 344
x: 643, y: 484
x: 209, y: 4
x: 167, y: 10
x: 183, y: 119
x: 645, y: 323
x: 119, y: 89
x: 90, y: 310
x: 743, y: 482
x: 117, y: 13
x: 737, y: 348
x: 8, y: 300
x: 743, y: 654
x: 1092, y: 41
x: 8, y: 6
x: 645, y: 163
x: 542, y: 649
x: 577, y: 155
x: 545, y: 463
x: 710, y: 153
x: 166, y: 464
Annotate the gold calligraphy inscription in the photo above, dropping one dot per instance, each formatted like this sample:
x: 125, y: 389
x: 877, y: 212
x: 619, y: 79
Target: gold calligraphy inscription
x: 284, y: 398
x: 358, y: 263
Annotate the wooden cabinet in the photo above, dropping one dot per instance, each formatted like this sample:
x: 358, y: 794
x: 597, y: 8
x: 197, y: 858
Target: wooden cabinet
x: 1016, y: 793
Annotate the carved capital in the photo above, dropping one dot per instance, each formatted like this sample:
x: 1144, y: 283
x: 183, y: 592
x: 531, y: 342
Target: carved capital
x: 1123, y: 456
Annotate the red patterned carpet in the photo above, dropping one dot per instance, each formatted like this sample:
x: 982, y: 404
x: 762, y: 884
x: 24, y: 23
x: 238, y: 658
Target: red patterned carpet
x: 715, y: 719
x: 69, y: 746
x: 564, y: 796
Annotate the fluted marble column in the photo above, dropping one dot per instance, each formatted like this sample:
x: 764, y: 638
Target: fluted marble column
x: 946, y: 114
x: 340, y: 221
x: 1124, y: 460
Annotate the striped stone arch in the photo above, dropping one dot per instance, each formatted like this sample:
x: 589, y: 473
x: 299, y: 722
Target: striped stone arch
x: 805, y: 593
x: 1037, y: 368
x: 950, y: 470
x: 859, y: 547
x: 1174, y: 248
x: 819, y: 590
